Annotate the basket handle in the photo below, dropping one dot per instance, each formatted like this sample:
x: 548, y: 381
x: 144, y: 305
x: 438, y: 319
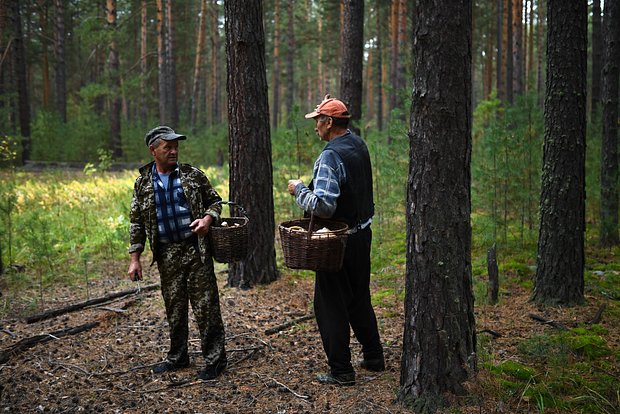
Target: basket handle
x: 310, y: 226
x: 239, y: 207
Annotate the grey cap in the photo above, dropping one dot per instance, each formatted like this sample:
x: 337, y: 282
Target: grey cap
x: 164, y: 132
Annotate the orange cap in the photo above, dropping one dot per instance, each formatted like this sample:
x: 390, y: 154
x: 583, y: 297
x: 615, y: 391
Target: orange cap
x: 330, y: 107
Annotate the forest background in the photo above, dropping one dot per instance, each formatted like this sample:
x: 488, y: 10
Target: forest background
x: 88, y: 85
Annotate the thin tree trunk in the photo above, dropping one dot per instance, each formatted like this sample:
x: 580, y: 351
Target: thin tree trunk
x: 143, y: 62
x: 171, y: 67
x: 23, y: 100
x: 540, y: 41
x: 216, y: 104
x: 45, y: 73
x: 275, y: 102
x: 290, y: 63
x: 200, y: 42
x: 499, y: 73
x: 439, y: 345
x: 517, y: 46
x: 379, y: 70
x: 509, y: 54
x: 161, y: 65
x: 59, y: 60
x: 560, y: 264
x: 597, y: 56
x: 530, y: 48
x: 115, y: 100
x: 352, y: 60
x: 251, y: 177
x: 609, y: 149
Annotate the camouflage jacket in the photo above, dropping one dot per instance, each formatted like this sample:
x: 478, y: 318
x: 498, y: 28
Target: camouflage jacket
x: 201, y: 196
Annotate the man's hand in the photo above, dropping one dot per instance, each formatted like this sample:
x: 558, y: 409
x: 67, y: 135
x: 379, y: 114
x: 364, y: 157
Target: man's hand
x: 292, y: 184
x: 135, y: 268
x: 201, y: 226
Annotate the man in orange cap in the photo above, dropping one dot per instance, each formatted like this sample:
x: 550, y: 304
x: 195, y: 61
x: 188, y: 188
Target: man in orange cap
x: 341, y: 189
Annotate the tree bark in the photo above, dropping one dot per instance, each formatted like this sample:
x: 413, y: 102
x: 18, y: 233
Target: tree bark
x: 439, y: 340
x: 597, y: 56
x: 352, y: 60
x: 609, y: 149
x: 251, y: 179
x: 517, y: 47
x: 540, y: 40
x: 509, y: 54
x: 559, y: 273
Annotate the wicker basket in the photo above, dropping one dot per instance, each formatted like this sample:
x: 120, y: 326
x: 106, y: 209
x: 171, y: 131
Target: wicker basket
x: 230, y: 243
x: 310, y: 250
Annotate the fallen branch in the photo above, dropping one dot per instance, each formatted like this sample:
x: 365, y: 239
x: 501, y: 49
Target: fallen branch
x: 549, y: 322
x: 52, y: 313
x: 493, y: 333
x: 599, y: 315
x: 288, y: 324
x: 30, y: 342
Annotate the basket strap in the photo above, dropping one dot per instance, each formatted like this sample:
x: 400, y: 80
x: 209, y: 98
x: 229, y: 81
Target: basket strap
x: 239, y: 207
x: 310, y: 226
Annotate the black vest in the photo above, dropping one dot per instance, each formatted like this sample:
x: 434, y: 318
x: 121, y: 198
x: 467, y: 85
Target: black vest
x: 355, y: 204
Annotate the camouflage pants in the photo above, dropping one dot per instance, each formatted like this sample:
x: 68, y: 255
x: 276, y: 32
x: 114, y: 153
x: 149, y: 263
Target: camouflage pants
x: 184, y: 278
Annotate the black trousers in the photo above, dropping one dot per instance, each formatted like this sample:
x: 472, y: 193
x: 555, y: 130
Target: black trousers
x: 342, y: 302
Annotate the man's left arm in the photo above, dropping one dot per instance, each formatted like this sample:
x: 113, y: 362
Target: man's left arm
x: 210, y: 206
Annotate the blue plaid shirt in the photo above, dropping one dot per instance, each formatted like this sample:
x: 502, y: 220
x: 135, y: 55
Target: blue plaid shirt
x: 173, y: 214
x: 328, y: 176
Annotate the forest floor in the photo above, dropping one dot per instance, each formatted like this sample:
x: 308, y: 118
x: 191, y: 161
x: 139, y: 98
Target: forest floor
x: 108, y: 368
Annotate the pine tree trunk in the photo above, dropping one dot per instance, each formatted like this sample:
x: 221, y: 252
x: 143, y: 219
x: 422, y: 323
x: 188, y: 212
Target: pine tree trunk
x: 251, y: 179
x: 517, y: 46
x: 609, y: 149
x: 352, y: 60
x: 290, y: 63
x: 499, y: 73
x: 439, y: 340
x: 21, y: 77
x: 161, y: 65
x: 540, y: 37
x: 200, y: 42
x: 379, y: 69
x: 45, y: 73
x: 216, y: 73
x: 275, y: 102
x: 597, y: 56
x: 115, y: 86
x: 143, y: 63
x: 59, y: 60
x: 171, y: 66
x: 559, y: 273
x: 509, y: 53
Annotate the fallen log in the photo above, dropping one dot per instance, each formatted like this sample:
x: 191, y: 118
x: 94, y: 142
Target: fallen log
x: 288, y: 324
x: 27, y: 343
x: 52, y: 313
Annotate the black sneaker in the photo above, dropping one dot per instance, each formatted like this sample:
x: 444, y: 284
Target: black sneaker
x: 211, y: 372
x: 168, y: 366
x: 342, y: 379
x: 375, y: 364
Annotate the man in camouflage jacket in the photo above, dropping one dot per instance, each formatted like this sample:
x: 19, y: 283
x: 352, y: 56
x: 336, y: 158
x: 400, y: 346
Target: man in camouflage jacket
x: 173, y: 206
